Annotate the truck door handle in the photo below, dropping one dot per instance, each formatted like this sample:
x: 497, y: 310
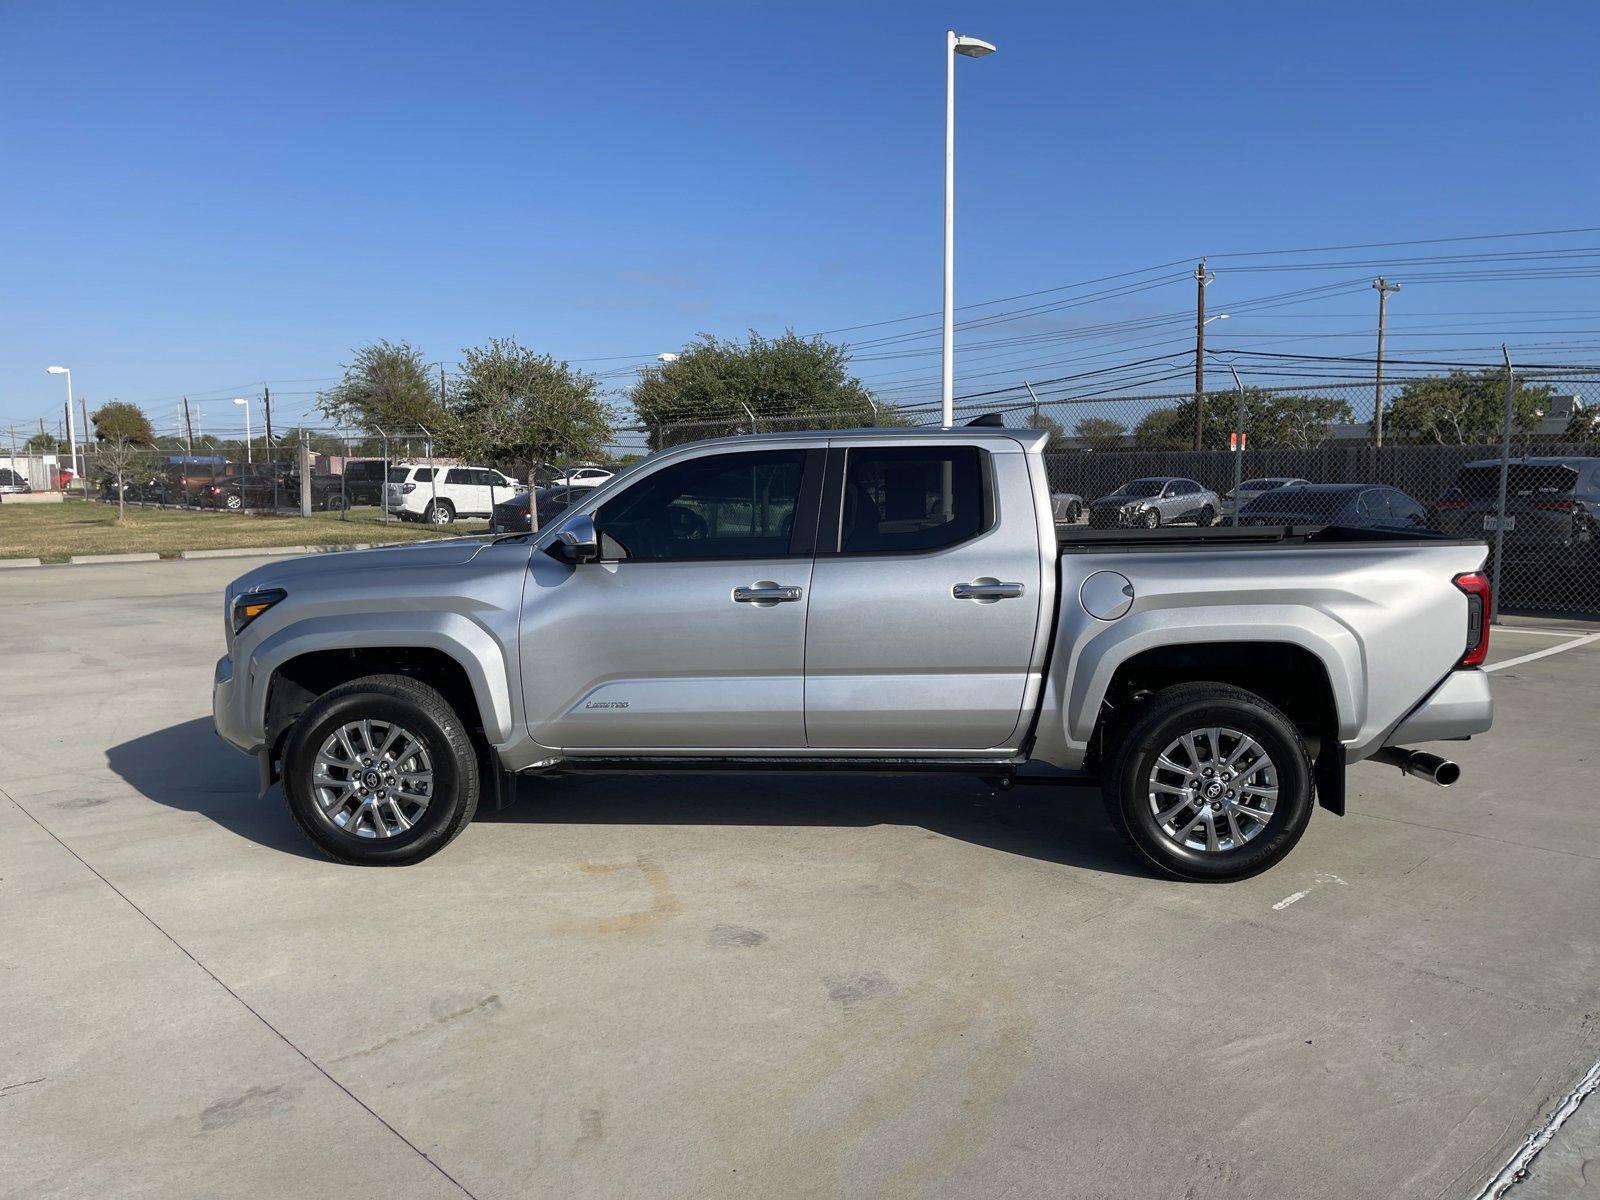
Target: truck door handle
x: 767, y: 594
x: 987, y: 589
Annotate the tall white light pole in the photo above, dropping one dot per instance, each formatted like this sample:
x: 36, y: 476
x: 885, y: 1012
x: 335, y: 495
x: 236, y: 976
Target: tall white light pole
x: 971, y: 47
x: 72, y: 437
x: 249, y: 454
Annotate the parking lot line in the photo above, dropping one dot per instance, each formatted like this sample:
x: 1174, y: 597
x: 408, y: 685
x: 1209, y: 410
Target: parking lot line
x: 1518, y: 661
x: 1555, y: 633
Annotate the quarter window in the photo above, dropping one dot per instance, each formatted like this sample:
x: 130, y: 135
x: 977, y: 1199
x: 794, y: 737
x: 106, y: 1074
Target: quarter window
x: 900, y: 498
x: 719, y: 506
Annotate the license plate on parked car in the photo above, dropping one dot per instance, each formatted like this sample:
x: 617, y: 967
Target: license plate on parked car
x: 1492, y: 523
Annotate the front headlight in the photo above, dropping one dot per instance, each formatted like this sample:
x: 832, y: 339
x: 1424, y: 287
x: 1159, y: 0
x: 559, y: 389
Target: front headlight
x: 248, y: 607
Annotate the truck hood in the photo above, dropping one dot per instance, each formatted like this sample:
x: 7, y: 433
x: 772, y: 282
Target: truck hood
x: 447, y: 552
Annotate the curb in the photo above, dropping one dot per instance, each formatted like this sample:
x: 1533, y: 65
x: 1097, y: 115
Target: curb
x: 85, y: 560
x: 78, y: 560
x: 270, y: 551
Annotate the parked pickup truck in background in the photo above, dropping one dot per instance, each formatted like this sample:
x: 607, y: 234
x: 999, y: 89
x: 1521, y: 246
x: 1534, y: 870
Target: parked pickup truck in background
x: 862, y: 601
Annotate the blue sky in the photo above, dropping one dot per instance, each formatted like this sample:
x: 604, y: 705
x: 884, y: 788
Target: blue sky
x: 202, y: 197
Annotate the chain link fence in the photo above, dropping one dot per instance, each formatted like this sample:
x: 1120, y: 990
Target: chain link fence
x: 1508, y: 457
x: 1310, y: 454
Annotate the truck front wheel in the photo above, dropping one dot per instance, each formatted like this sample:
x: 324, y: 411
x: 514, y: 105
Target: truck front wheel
x: 380, y: 770
x: 1210, y: 783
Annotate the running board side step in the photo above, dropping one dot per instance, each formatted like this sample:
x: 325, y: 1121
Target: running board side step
x: 634, y: 765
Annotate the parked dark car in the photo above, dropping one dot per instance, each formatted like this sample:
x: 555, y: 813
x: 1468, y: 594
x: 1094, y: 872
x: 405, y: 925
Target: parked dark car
x: 260, y: 487
x: 363, y: 482
x: 1354, y: 505
x: 511, y: 516
x: 13, y: 483
x: 1552, y: 509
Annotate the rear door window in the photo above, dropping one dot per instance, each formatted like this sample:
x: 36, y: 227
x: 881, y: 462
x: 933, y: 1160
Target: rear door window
x: 907, y: 498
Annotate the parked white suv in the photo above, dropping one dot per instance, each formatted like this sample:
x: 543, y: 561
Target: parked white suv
x: 441, y: 494
x: 582, y: 477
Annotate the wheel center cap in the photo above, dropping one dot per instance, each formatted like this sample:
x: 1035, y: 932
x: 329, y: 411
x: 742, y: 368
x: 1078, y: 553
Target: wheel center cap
x: 371, y: 778
x: 1213, y: 790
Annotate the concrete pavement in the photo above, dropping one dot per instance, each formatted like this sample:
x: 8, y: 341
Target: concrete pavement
x: 748, y: 986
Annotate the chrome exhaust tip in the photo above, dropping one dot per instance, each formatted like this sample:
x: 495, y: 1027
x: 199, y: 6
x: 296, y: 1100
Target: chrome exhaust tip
x: 1421, y: 764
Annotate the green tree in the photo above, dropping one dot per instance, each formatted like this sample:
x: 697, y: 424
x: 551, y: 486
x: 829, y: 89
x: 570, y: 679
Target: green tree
x: 41, y: 443
x: 386, y: 386
x: 123, y: 440
x: 119, y: 421
x: 1463, y: 408
x: 1272, y: 421
x: 512, y: 404
x: 787, y: 382
x: 1100, y: 433
x: 1159, y: 429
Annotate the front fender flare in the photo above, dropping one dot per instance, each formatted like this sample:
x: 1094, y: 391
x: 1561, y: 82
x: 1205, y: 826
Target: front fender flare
x: 453, y: 634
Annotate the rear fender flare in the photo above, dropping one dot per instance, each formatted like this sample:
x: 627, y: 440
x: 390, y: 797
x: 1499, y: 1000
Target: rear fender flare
x: 1095, y: 659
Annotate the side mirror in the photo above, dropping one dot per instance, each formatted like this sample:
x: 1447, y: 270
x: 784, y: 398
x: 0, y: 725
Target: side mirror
x: 579, y: 541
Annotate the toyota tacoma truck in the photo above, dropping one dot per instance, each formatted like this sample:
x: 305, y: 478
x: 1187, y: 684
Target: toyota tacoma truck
x: 873, y: 601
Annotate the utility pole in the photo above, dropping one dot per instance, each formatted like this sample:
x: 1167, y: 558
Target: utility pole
x: 81, y: 482
x: 188, y: 450
x: 1200, y: 281
x: 1384, y: 287
x: 266, y: 404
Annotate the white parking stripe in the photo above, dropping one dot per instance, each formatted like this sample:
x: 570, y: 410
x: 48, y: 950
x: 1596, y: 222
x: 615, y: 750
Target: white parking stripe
x: 1556, y: 633
x: 1514, y: 662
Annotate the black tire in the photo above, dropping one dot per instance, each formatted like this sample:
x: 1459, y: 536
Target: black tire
x: 440, y: 512
x: 1207, y: 517
x: 233, y: 503
x: 1074, y: 511
x: 334, y: 503
x: 1126, y: 790
x: 1151, y: 519
x: 419, y: 709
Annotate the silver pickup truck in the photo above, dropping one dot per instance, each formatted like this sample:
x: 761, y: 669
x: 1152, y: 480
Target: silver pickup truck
x: 864, y: 601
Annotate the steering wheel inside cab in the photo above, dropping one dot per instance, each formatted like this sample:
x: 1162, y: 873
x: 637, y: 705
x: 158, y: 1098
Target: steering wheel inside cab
x: 684, y: 524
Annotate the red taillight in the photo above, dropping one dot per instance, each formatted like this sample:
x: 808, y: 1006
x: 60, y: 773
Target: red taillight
x: 1476, y: 585
x: 1450, y: 504
x: 1553, y: 505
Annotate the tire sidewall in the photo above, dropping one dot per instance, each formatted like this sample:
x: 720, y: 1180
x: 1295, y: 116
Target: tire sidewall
x: 1152, y: 519
x: 1295, y: 793
x: 446, y: 743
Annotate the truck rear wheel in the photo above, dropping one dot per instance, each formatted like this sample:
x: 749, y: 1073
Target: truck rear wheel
x: 1210, y: 783
x: 381, y: 771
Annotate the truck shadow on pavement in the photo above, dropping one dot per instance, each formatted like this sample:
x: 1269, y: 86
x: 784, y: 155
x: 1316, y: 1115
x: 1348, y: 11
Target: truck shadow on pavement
x: 187, y: 768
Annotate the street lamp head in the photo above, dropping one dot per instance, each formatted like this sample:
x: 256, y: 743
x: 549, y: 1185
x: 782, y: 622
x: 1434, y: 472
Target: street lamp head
x: 55, y: 371
x: 240, y: 400
x: 1218, y: 317
x: 973, y: 47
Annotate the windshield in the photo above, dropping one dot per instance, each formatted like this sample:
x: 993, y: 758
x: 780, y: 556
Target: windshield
x: 1262, y: 485
x: 1141, y: 487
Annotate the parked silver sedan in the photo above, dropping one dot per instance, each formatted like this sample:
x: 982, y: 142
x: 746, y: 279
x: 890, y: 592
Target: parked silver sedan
x: 1156, y: 500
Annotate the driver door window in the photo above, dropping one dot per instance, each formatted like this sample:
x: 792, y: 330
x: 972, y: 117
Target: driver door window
x: 720, y: 506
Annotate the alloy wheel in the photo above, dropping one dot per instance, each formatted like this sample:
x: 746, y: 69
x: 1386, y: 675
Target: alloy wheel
x: 1213, y: 789
x: 372, y: 779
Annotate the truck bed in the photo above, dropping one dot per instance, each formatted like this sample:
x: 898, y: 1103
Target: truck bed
x: 1081, y: 539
